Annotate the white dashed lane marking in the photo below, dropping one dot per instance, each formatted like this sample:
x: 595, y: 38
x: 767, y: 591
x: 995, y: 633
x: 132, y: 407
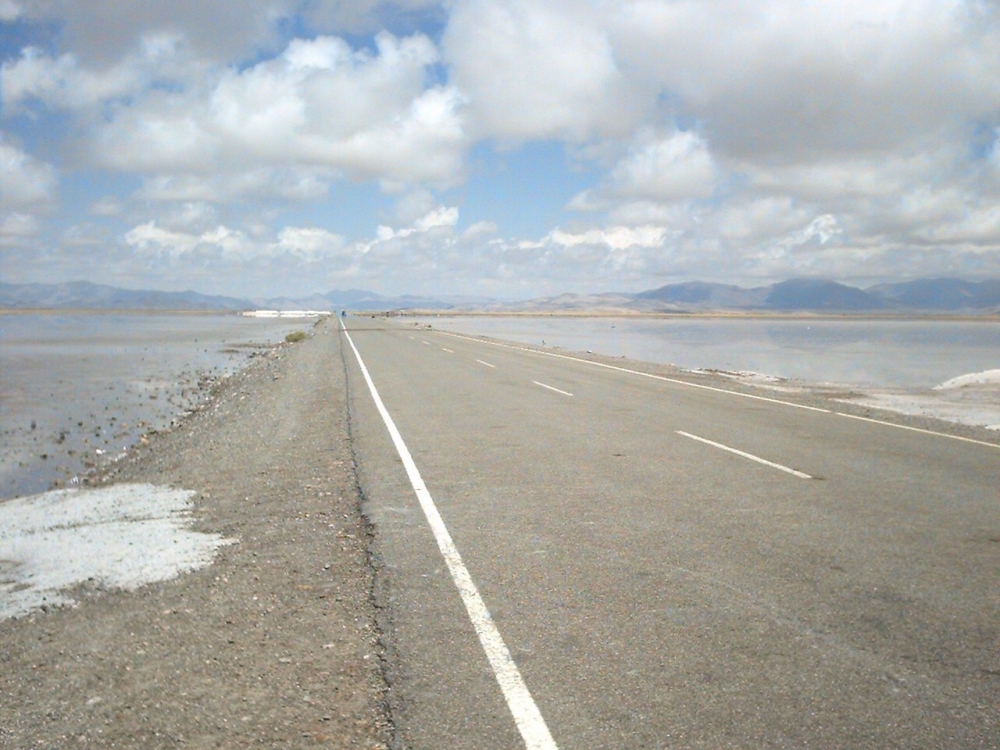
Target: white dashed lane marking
x: 551, y: 388
x: 752, y: 457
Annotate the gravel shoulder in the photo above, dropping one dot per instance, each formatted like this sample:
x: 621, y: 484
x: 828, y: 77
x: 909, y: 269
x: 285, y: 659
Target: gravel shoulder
x: 273, y: 645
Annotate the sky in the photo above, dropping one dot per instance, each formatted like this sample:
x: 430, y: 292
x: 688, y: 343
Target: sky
x: 499, y: 149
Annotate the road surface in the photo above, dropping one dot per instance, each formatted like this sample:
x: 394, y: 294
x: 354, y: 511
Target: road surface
x: 654, y: 564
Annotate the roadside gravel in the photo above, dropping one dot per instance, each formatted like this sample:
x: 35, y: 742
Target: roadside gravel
x: 273, y: 645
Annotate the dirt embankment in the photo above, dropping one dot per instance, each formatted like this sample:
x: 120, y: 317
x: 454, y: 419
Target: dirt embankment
x: 273, y: 645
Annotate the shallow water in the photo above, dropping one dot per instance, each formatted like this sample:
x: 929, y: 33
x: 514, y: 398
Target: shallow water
x: 876, y: 353
x: 77, y: 387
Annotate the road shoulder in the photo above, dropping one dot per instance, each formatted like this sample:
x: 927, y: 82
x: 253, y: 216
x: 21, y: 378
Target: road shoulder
x: 275, y: 644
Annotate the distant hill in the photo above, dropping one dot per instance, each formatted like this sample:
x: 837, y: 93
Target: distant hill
x: 85, y: 295
x: 941, y: 294
x: 821, y: 295
x: 705, y: 294
x: 354, y: 299
x: 817, y: 294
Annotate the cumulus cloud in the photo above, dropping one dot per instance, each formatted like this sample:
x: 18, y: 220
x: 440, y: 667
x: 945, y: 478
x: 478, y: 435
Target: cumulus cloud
x: 27, y: 189
x: 786, y: 77
x: 478, y: 230
x: 15, y: 228
x: 9, y: 11
x: 443, y: 217
x: 295, y: 183
x: 675, y: 168
x: 25, y: 182
x: 538, y: 69
x: 663, y: 170
x: 152, y: 239
x: 306, y: 244
x: 103, y: 32
x: 309, y: 243
x: 800, y: 110
x: 320, y: 108
x: 283, y: 127
x: 59, y: 81
x: 617, y: 238
x: 224, y: 30
x: 193, y: 216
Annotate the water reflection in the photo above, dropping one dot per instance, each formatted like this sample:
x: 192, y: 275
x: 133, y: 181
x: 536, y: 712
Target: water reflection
x: 881, y: 353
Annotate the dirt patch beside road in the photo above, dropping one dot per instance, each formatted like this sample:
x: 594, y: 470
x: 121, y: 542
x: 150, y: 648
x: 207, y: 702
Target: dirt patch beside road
x: 272, y: 645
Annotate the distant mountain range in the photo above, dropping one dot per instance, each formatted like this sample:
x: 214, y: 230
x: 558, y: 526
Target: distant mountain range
x: 83, y: 295
x: 953, y: 296
x: 818, y: 295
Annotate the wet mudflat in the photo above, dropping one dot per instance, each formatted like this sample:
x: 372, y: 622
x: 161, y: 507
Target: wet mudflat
x: 79, y: 388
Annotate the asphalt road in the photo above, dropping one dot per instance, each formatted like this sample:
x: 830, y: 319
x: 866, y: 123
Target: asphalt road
x: 657, y: 590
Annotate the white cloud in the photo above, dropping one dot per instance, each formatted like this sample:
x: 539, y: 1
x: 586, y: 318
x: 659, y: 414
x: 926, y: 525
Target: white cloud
x: 192, y: 216
x: 976, y: 226
x: 27, y: 188
x: 822, y: 228
x: 234, y: 246
x: 58, y: 82
x: 663, y: 170
x: 538, y: 69
x: 616, y: 238
x: 309, y: 243
x: 318, y: 109
x: 414, y: 204
x: 479, y: 229
x: 105, y: 31
x: 15, y: 228
x: 788, y: 77
x: 444, y: 216
x: 9, y: 11
x: 25, y: 182
x: 152, y: 239
x: 64, y: 83
x: 300, y: 183
x: 669, y: 169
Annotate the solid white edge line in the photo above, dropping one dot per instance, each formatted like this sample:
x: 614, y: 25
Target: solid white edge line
x: 638, y: 372
x: 918, y: 429
x: 528, y: 718
x: 565, y: 393
x: 486, y: 363
x: 752, y: 457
